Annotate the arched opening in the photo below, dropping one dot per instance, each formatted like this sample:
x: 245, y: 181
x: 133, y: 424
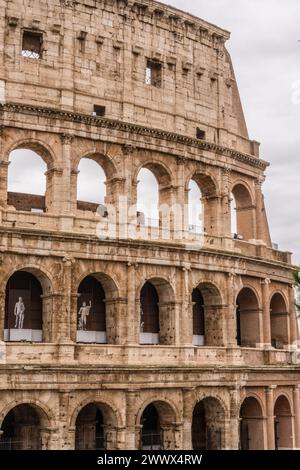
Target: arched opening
x: 245, y: 213
x: 202, y: 201
x: 151, y: 430
x: 195, y: 208
x: 248, y: 319
x: 23, y: 308
x: 21, y: 429
x: 251, y: 425
x: 157, y: 427
x: 283, y: 423
x: 147, y: 198
x: 27, y: 182
x: 91, y: 186
x: 149, y: 315
x: 94, y: 428
x: 279, y: 322
x: 207, y: 316
x: 208, y: 425
x: 198, y: 318
x: 91, y: 312
x: 157, y: 313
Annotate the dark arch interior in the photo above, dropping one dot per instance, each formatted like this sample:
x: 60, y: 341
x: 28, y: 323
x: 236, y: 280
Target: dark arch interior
x: 247, y: 319
x: 21, y: 429
x: 283, y: 426
x: 90, y: 429
x: 23, y: 308
x: 251, y: 425
x: 199, y: 430
x: 92, y: 298
x: 151, y: 430
x: 207, y: 424
x: 149, y: 309
x: 279, y: 322
x: 198, y: 312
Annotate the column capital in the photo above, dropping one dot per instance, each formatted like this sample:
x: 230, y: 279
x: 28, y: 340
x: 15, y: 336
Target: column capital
x: 128, y: 149
x: 2, y: 129
x: 54, y: 170
x: 67, y: 139
x: 68, y: 261
x: 266, y: 281
x: 270, y: 388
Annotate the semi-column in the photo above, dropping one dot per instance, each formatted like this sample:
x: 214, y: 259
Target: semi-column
x: 133, y: 321
x: 265, y: 286
x: 269, y: 393
x: 296, y: 399
x: 231, y: 330
x: 294, y: 332
x: 65, y: 183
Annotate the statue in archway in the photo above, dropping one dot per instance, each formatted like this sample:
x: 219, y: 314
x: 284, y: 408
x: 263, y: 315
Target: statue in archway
x: 19, y: 313
x: 83, y: 314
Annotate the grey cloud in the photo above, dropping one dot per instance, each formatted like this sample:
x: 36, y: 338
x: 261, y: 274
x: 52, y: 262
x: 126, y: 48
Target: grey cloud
x: 266, y: 55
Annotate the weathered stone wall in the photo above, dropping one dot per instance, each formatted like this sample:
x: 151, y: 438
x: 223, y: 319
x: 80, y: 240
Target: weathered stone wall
x: 95, y: 53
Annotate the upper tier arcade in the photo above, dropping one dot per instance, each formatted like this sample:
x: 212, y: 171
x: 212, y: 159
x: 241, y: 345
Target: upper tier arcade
x: 140, y: 62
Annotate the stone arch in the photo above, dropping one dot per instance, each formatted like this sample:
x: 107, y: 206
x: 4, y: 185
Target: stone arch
x: 99, y: 291
x: 104, y: 161
x: 109, y: 169
x: 96, y: 424
x: 208, y: 190
x: 251, y: 424
x: 161, y: 203
x: 34, y: 287
x: 25, y: 425
x: 162, y: 307
x: 21, y: 195
x: 158, y: 168
x: 248, y: 318
x: 245, y: 210
x: 40, y: 147
x: 157, y: 418
x: 206, y: 182
x: 42, y: 274
x: 256, y: 397
x: 212, y: 311
x: 46, y: 415
x: 283, y: 423
x: 279, y: 316
x: 208, y: 424
x: 33, y: 202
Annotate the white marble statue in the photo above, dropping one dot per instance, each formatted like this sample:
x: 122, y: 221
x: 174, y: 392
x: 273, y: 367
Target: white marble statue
x: 83, y: 314
x: 19, y: 313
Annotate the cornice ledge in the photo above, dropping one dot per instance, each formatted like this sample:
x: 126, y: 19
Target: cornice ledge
x: 105, y: 123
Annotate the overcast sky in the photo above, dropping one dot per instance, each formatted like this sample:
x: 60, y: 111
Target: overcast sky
x: 266, y: 55
x: 265, y: 49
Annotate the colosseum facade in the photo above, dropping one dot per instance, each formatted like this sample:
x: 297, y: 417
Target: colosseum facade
x: 117, y: 332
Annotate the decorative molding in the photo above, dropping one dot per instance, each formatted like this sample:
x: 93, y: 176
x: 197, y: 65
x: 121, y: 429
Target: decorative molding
x: 137, y: 50
x: 128, y: 149
x: 101, y: 122
x: 56, y: 28
x: 266, y: 281
x: 13, y: 21
x: 67, y: 139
